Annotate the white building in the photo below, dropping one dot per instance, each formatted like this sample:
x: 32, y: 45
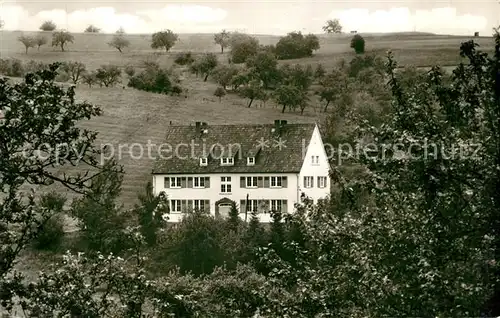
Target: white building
x: 259, y: 167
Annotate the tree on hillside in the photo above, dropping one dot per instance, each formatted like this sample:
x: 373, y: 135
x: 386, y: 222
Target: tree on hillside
x: 264, y: 66
x: 223, y: 74
x: 319, y: 72
x: 40, y: 40
x: 48, y: 26
x: 119, y: 42
x: 92, y: 29
x: 60, y: 38
x: 253, y: 90
x: 358, y: 44
x: 220, y: 92
x: 296, y: 45
x: 75, y: 70
x: 222, y: 39
x: 89, y: 78
x: 27, y: 41
x: 290, y: 96
x: 333, y: 26
x: 206, y: 64
x: 108, y: 75
x: 242, y: 47
x: 164, y: 39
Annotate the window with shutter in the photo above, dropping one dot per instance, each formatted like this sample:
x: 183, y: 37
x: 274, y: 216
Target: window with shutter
x: 207, y: 206
x: 190, y: 182
x: 207, y: 182
x: 242, y: 182
x: 166, y: 182
x: 266, y: 182
x: 284, y: 206
x: 242, y: 206
x: 284, y: 182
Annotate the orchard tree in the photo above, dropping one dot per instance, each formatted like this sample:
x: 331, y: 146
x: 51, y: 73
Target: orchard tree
x: 207, y: 63
x: 27, y: 41
x: 40, y: 40
x: 358, y: 44
x: 220, y: 92
x: 108, y: 75
x: 48, y: 26
x: 243, y: 46
x: 60, y: 38
x: 253, y: 90
x: 222, y: 39
x: 119, y: 41
x: 75, y: 70
x: 290, y: 96
x: 164, y: 39
x: 333, y: 26
x: 264, y: 67
x: 223, y: 74
x: 296, y: 45
x: 89, y: 78
x: 92, y: 29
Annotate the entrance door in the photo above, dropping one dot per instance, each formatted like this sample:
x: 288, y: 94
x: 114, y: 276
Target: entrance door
x: 224, y: 209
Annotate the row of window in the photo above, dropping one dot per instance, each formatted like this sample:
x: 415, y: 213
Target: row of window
x: 264, y: 182
x: 245, y: 182
x: 196, y: 205
x: 263, y: 205
x: 309, y: 182
x: 245, y: 205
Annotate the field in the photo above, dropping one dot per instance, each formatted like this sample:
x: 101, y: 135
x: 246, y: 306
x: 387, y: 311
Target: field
x: 131, y: 116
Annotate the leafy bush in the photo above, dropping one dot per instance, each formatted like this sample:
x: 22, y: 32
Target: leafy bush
x: 184, y: 58
x: 296, y: 45
x: 129, y: 70
x: 51, y: 233
x: 358, y: 44
x: 11, y: 67
x: 152, y: 80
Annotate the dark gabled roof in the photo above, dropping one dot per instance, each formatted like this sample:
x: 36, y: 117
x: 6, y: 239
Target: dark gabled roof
x: 243, y: 140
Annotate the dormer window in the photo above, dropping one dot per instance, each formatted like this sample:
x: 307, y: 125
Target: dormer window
x: 250, y: 161
x: 203, y: 161
x: 226, y: 161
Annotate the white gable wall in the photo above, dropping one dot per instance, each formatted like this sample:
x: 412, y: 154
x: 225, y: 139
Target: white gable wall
x: 315, y: 147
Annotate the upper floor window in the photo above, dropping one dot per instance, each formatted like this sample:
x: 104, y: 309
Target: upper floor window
x: 227, y: 161
x: 251, y: 182
x: 250, y: 161
x: 225, y: 184
x: 175, y: 182
x: 315, y: 160
x: 321, y: 182
x: 308, y: 182
x: 276, y: 182
x: 203, y: 161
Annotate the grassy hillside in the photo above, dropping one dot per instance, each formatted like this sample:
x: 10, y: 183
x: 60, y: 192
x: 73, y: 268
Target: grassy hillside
x: 132, y: 116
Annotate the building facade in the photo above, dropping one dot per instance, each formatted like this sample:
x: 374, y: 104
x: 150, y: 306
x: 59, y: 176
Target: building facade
x: 259, y: 167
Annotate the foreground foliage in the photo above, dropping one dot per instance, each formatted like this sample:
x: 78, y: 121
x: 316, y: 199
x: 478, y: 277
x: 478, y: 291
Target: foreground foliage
x: 413, y: 232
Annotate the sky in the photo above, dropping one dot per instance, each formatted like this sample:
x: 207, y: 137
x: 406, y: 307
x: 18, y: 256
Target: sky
x: 256, y: 17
